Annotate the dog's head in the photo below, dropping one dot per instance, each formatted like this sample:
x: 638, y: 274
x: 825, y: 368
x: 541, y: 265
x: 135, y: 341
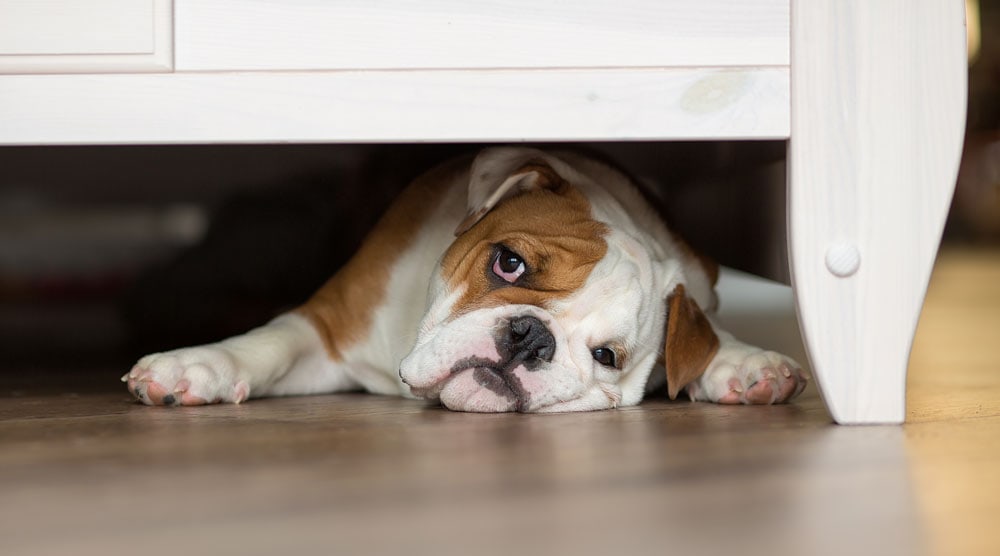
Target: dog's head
x: 545, y: 302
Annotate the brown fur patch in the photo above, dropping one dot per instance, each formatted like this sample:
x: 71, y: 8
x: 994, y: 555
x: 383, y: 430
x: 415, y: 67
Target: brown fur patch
x: 552, y: 230
x: 342, y: 309
x: 542, y: 176
x: 690, y: 341
x: 547, y: 177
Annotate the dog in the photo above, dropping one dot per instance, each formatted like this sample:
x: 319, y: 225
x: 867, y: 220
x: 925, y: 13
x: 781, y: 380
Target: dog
x: 516, y: 279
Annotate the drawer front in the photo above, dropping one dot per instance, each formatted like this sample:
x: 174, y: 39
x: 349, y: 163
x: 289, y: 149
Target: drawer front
x: 452, y: 34
x: 65, y: 36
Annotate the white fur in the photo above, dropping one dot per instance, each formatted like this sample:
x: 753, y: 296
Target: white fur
x: 413, y: 336
x: 285, y: 356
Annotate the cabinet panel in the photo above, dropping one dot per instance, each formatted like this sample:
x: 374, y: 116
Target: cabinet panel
x: 396, y: 106
x: 69, y: 36
x: 453, y: 34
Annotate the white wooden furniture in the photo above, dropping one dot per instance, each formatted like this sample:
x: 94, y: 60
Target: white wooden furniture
x: 869, y: 93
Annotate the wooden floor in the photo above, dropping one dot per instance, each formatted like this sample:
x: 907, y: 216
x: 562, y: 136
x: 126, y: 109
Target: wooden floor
x: 88, y: 472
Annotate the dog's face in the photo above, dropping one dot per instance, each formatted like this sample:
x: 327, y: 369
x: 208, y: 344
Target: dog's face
x: 539, y: 306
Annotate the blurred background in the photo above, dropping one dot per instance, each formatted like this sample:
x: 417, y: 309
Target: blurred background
x: 107, y: 253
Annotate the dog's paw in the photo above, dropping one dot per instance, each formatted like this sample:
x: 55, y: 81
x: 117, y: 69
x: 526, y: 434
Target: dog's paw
x: 190, y: 376
x: 748, y: 375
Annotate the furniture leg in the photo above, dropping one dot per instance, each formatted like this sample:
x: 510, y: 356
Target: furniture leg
x: 877, y: 119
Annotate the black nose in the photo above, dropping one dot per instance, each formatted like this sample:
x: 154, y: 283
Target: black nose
x: 528, y: 339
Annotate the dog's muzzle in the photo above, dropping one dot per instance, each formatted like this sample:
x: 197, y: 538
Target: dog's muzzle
x: 524, y: 341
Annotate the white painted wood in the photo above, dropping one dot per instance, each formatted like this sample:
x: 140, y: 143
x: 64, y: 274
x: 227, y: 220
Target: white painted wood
x: 398, y: 34
x: 878, y: 113
x: 75, y: 26
x: 75, y: 36
x: 471, y: 105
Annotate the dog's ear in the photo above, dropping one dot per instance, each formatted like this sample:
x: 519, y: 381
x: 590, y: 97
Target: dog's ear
x: 500, y: 173
x: 690, y: 341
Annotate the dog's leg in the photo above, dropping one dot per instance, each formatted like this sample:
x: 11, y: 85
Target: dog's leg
x: 285, y: 356
x: 744, y: 374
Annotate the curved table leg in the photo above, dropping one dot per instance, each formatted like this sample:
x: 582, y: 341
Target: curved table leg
x: 878, y: 114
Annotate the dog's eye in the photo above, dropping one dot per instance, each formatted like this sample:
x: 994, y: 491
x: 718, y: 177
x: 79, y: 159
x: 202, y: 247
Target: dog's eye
x: 605, y: 356
x: 508, y: 265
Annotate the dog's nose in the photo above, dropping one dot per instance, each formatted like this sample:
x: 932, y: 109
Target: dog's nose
x: 529, y: 339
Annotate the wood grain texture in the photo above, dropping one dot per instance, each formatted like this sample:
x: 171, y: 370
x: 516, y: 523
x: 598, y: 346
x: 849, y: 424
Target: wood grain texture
x: 485, y: 105
x: 86, y: 36
x: 90, y: 472
x: 953, y: 404
x: 363, y: 474
x: 878, y: 105
x: 218, y: 35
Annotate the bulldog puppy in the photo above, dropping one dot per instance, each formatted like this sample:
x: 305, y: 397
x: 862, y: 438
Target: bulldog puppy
x: 517, y: 280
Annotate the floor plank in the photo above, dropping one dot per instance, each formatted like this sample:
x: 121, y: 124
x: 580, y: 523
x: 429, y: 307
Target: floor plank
x: 953, y: 399
x: 88, y: 472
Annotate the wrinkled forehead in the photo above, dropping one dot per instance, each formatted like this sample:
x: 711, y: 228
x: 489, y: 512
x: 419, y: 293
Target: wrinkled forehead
x: 619, y: 296
x: 554, y: 232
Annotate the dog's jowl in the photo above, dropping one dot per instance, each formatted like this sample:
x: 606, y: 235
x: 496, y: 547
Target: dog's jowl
x: 515, y: 280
